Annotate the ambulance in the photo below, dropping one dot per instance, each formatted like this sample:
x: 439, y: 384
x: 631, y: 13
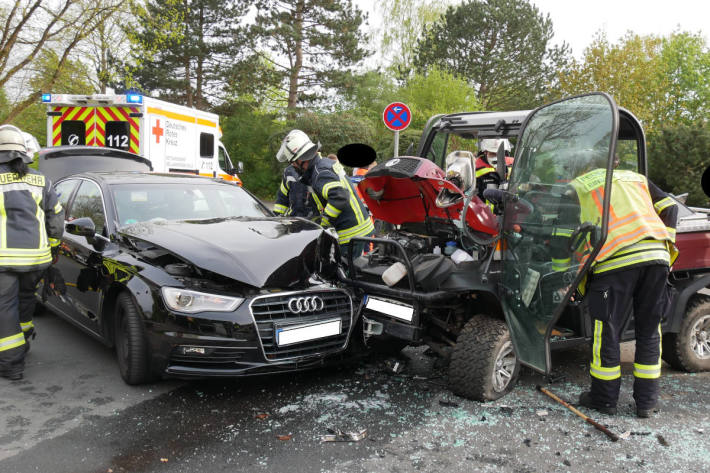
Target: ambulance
x: 173, y: 137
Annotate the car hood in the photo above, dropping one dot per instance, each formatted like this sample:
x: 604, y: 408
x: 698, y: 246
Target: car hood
x: 404, y: 190
x: 260, y: 252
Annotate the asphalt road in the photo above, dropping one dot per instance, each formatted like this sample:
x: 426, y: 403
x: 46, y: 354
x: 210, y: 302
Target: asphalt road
x: 72, y: 413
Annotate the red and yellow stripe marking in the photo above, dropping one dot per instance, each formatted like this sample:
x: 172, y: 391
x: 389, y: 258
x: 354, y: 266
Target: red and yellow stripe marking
x: 83, y: 114
x: 117, y: 114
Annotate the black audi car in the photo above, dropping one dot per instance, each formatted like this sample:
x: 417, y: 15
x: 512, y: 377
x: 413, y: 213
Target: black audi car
x: 190, y: 276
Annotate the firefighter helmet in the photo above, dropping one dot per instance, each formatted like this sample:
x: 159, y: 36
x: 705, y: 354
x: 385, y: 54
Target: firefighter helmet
x: 297, y: 146
x: 13, y: 144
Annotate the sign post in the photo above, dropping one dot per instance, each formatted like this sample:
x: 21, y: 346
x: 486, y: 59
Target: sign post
x: 397, y: 117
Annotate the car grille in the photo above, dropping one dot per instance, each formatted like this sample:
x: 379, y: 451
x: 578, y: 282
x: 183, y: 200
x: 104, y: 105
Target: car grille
x: 218, y: 357
x: 269, y: 311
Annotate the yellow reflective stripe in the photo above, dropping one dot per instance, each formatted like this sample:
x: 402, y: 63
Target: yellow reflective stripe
x: 663, y: 204
x: 483, y: 171
x: 319, y: 204
x: 3, y: 222
x: 597, y: 343
x: 605, y: 374
x: 24, y: 252
x: 561, y: 264
x: 53, y: 242
x: 365, y: 228
x: 328, y: 186
x: 57, y: 208
x: 562, y: 232
x: 12, y: 341
x: 671, y: 231
x: 26, y: 325
x: 647, y: 371
x: 43, y: 243
x: 324, y: 222
x: 636, y: 258
x: 642, y: 245
x: 280, y: 209
x: 331, y: 211
x: 283, y: 188
x: 354, y: 201
x: 5, y: 261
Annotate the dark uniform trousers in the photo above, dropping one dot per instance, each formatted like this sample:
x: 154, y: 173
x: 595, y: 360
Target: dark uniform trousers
x: 17, y: 304
x: 609, y: 298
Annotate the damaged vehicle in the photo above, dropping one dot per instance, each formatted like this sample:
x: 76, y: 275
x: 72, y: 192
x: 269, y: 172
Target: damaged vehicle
x: 478, y: 281
x: 189, y: 276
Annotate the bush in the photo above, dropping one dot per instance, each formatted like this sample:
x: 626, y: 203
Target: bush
x: 677, y: 157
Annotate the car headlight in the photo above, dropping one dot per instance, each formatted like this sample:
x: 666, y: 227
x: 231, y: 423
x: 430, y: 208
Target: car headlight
x: 185, y: 300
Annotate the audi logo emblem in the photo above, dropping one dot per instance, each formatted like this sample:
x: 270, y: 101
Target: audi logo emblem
x: 299, y: 305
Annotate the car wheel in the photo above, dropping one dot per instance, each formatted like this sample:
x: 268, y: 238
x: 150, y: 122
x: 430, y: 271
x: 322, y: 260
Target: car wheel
x: 131, y: 344
x: 689, y: 349
x: 483, y: 363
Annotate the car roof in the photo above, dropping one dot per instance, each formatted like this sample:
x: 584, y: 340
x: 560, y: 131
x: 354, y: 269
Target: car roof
x: 128, y: 177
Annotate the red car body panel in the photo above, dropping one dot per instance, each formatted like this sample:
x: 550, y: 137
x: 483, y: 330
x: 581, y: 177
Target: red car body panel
x: 412, y: 198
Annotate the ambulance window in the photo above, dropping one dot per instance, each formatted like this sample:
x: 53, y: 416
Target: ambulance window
x: 206, y: 145
x: 224, y: 162
x: 73, y: 133
x: 117, y: 135
x: 89, y: 203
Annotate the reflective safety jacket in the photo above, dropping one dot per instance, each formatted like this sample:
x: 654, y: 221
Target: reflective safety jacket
x: 337, y: 200
x: 31, y: 220
x: 485, y: 175
x: 642, y: 220
x: 293, y: 198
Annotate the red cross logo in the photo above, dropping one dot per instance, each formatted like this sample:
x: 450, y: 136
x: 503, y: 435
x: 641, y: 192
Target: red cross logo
x: 157, y: 131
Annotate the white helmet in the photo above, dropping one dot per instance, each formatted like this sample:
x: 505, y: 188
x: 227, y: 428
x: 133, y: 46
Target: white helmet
x: 492, y: 144
x: 13, y: 145
x: 12, y: 139
x: 297, y: 145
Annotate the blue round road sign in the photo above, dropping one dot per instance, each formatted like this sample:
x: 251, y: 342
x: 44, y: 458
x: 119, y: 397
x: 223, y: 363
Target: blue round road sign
x: 397, y: 116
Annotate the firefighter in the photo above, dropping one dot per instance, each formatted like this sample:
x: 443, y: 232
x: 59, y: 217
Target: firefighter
x: 631, y: 268
x: 31, y: 223
x: 486, y: 175
x: 293, y: 198
x: 332, y: 191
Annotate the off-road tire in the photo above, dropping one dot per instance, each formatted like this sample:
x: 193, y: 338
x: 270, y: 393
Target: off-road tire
x: 678, y: 347
x: 479, y: 346
x: 132, y: 348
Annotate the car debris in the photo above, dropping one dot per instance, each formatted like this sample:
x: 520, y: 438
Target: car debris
x: 445, y: 403
x: 589, y: 420
x: 662, y: 440
x: 394, y: 366
x: 337, y: 435
x: 625, y: 435
x: 284, y: 437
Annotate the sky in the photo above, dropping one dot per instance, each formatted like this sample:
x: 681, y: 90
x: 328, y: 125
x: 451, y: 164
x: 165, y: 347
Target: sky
x: 577, y: 21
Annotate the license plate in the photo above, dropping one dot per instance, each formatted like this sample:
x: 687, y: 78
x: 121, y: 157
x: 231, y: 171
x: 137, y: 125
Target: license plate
x: 305, y: 333
x: 391, y: 308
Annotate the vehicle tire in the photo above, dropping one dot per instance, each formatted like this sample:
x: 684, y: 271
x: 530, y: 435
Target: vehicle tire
x: 689, y: 349
x: 483, y: 363
x: 131, y: 343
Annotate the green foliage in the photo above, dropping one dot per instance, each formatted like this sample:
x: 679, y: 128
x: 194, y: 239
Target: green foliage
x: 313, y: 45
x: 500, y: 46
x: 661, y: 80
x: 187, y: 51
x: 678, y: 156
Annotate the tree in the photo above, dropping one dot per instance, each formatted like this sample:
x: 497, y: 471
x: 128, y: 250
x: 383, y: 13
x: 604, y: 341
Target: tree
x: 678, y: 156
x: 404, y: 22
x: 187, y: 50
x: 312, y: 44
x: 663, y: 81
x: 33, y: 26
x: 500, y: 46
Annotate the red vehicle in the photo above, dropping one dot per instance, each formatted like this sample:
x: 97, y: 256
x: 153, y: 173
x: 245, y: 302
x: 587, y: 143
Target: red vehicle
x: 480, y: 288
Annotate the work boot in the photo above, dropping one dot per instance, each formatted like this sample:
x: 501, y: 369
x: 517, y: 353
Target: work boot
x: 12, y: 374
x: 585, y: 399
x: 646, y: 413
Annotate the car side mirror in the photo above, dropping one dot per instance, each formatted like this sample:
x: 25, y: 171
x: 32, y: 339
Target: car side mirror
x: 82, y: 226
x: 240, y: 167
x: 500, y: 163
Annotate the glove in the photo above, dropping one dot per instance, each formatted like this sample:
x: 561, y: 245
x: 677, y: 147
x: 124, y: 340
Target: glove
x: 55, y: 254
x: 324, y: 221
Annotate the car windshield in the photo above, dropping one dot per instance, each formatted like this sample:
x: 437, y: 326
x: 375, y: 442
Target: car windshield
x: 170, y: 201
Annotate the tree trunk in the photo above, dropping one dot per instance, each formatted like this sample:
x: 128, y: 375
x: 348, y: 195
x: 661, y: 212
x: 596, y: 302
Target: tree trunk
x: 199, y: 100
x: 298, y: 62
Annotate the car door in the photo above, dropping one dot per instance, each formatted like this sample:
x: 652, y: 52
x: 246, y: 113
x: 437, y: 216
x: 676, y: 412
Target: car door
x: 80, y: 261
x: 548, y: 250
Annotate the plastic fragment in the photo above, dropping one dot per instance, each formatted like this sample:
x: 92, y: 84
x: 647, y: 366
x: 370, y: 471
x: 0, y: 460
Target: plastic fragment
x: 261, y: 416
x: 337, y: 435
x: 625, y: 435
x: 284, y: 437
x: 542, y: 413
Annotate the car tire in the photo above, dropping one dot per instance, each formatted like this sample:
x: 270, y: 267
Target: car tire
x: 131, y: 344
x: 689, y: 349
x: 483, y: 363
